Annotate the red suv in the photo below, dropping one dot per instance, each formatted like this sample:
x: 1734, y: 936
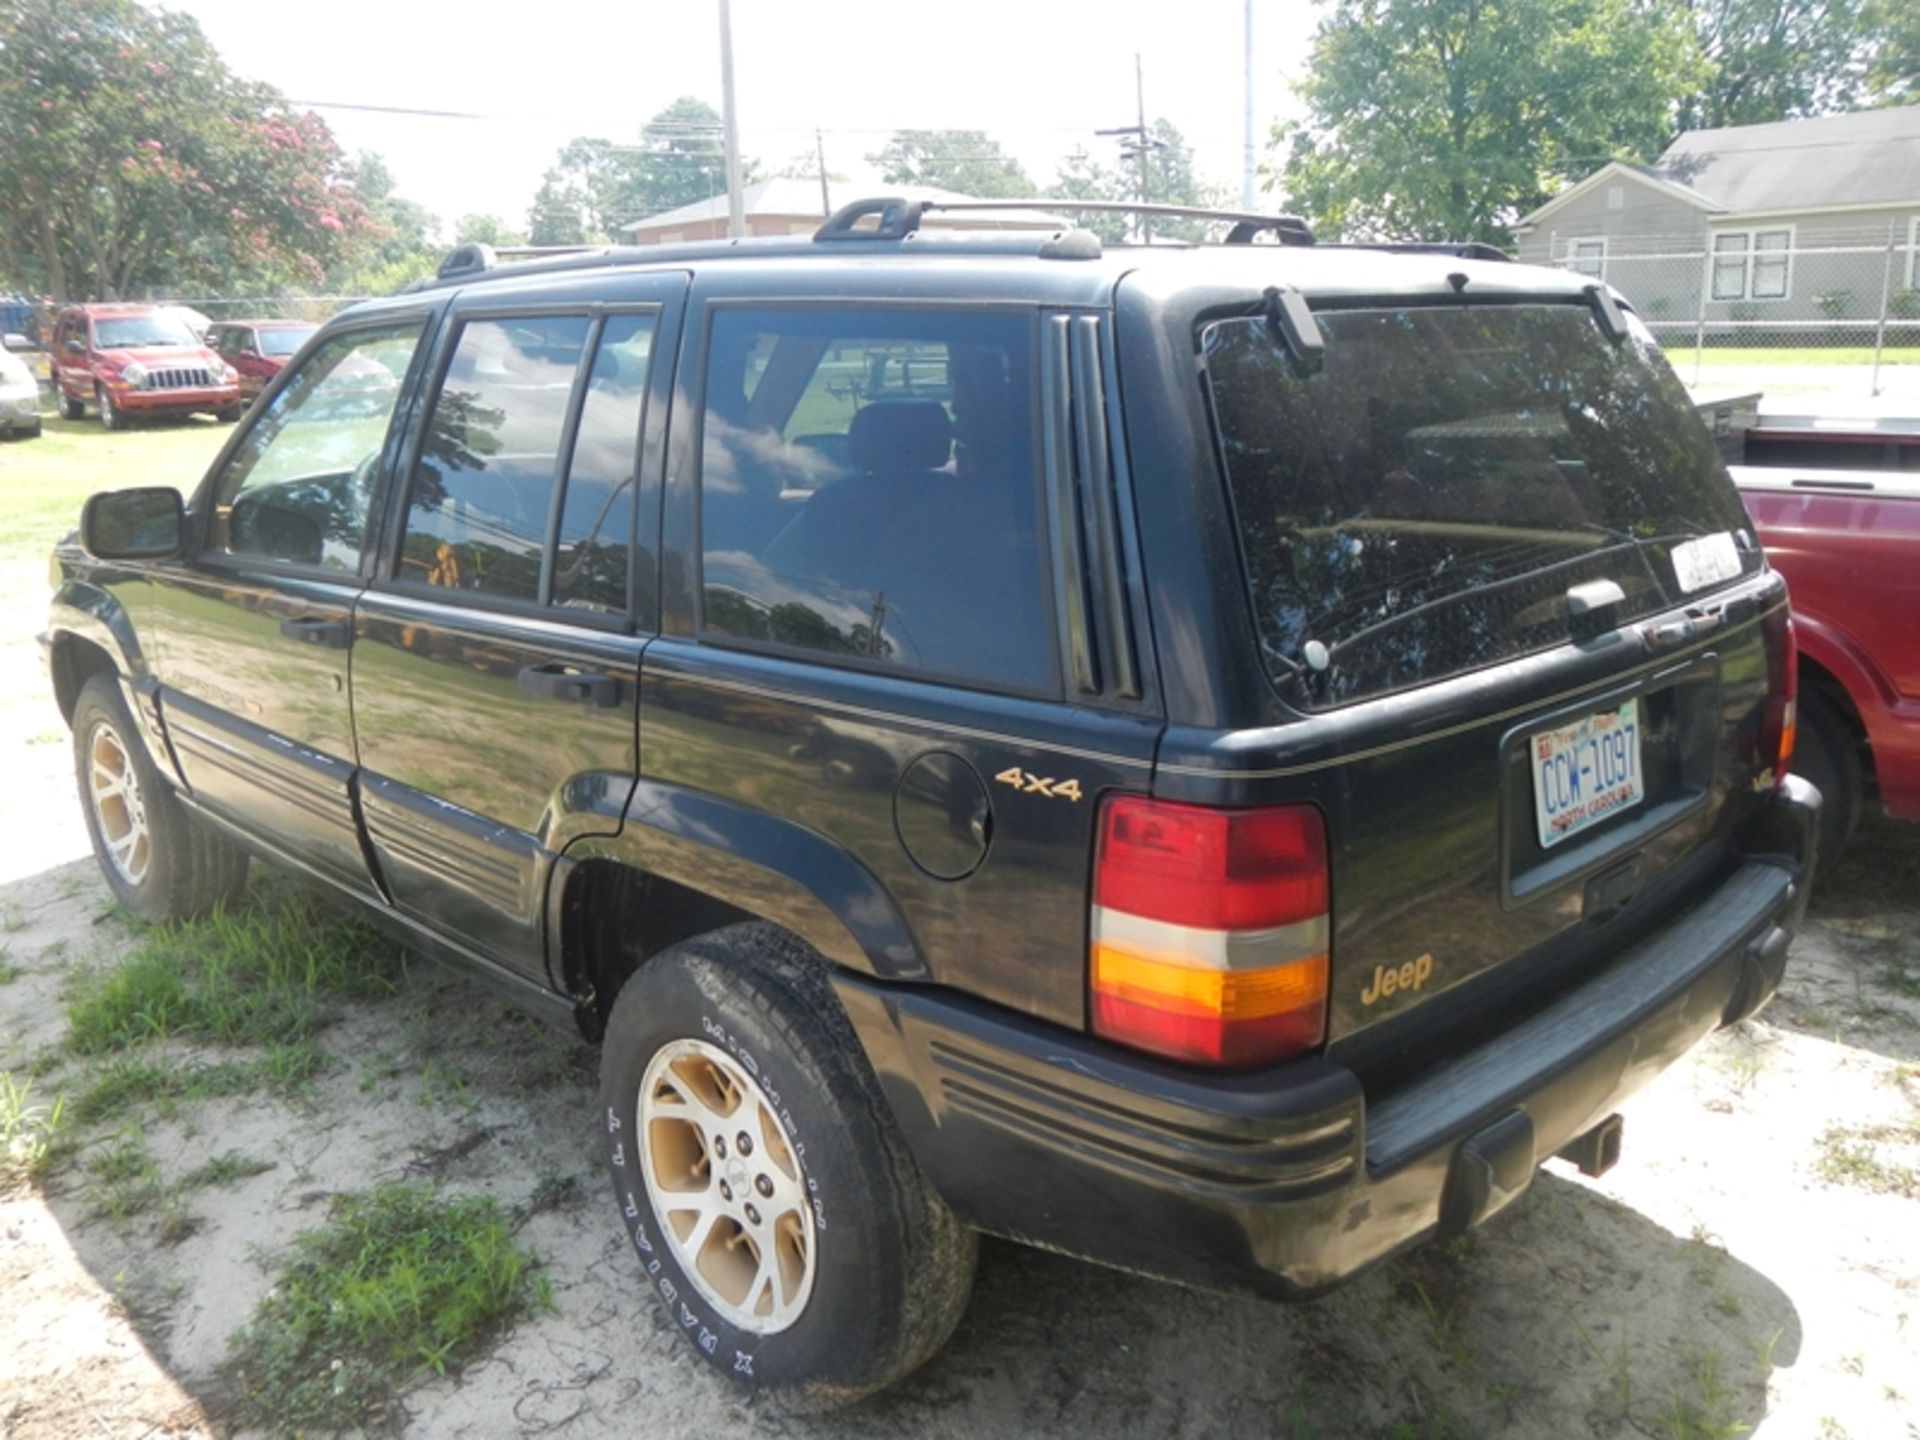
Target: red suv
x: 137, y: 360
x: 258, y: 349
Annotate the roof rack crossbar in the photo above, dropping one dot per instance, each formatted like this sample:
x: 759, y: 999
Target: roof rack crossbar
x: 1460, y: 249
x: 899, y: 216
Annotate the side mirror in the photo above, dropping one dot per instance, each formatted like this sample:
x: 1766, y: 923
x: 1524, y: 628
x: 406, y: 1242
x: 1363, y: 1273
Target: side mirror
x: 15, y: 341
x: 76, y: 347
x: 143, y: 524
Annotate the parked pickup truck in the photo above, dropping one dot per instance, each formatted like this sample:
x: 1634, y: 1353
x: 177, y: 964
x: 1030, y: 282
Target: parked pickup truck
x: 1848, y: 541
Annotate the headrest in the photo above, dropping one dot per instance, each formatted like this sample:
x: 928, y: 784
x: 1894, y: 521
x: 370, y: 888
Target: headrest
x: 901, y: 435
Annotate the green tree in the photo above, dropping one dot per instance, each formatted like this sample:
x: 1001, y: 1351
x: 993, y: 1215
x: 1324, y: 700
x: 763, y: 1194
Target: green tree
x: 485, y: 230
x: 1171, y: 180
x: 1081, y: 177
x: 135, y: 158
x: 397, y: 245
x: 1893, y: 72
x: 1777, y: 59
x: 968, y: 161
x: 1448, y: 119
x: 595, y: 186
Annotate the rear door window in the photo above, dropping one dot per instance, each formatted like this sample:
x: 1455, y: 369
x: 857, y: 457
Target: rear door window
x: 477, y: 509
x: 1419, y: 504
x: 868, y: 491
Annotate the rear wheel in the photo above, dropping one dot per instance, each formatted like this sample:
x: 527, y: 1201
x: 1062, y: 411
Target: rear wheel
x: 776, y: 1209
x: 160, y: 862
x: 1826, y: 753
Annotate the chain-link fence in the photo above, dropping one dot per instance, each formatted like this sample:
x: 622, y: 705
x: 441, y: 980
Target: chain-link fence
x: 1761, y: 309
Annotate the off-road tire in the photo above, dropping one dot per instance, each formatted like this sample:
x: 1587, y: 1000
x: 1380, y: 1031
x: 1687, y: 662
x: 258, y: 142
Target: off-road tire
x: 229, y: 414
x: 1826, y: 752
x: 112, y: 417
x: 893, y: 1267
x: 190, y: 867
x: 71, y: 407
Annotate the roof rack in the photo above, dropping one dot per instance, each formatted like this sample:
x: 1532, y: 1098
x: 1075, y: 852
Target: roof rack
x: 899, y: 216
x: 1459, y: 249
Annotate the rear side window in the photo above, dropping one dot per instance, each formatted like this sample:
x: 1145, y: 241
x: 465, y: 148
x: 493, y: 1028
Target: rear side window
x: 1420, y: 504
x: 868, y: 491
x: 477, y: 508
x: 596, y: 519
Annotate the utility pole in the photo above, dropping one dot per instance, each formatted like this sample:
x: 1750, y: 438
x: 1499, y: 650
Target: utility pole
x: 1246, y: 116
x: 1137, y: 141
x: 736, y: 205
x: 820, y: 154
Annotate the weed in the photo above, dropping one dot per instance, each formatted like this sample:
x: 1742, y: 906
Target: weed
x: 444, y: 1083
x: 1443, y: 1328
x: 396, y: 1284
x: 127, y: 1185
x: 1851, y: 1157
x: 227, y: 1169
x: 1897, y: 979
x: 12, y: 918
x: 1832, y: 1429
x: 121, y: 1084
x: 1702, y: 1411
x: 9, y: 972
x: 255, y: 974
x: 28, y: 1131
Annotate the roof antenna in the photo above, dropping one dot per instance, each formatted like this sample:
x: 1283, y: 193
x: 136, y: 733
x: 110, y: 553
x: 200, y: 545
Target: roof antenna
x: 1458, y: 280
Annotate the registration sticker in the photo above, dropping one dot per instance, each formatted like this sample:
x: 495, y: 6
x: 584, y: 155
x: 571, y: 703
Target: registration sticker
x: 1706, y: 561
x: 1583, y: 773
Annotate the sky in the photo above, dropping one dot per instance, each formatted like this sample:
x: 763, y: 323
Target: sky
x: 1039, y: 77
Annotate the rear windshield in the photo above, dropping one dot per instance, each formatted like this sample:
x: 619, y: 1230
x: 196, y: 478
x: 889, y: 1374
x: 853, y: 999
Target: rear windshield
x: 1419, y: 504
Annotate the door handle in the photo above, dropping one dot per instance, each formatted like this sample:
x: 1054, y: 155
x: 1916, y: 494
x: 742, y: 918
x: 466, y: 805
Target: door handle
x: 557, y: 681
x: 330, y: 634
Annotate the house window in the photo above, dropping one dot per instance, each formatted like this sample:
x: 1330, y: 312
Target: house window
x: 1752, y: 264
x: 1589, y: 257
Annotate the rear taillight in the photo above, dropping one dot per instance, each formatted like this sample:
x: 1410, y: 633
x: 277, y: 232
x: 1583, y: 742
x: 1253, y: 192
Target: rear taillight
x: 1209, y: 933
x: 1783, y: 690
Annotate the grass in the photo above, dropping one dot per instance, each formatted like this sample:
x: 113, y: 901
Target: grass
x: 262, y: 973
x: 1713, y: 355
x: 29, y: 1130
x: 397, y: 1284
x: 49, y: 478
x: 120, y: 1084
x: 1852, y: 1157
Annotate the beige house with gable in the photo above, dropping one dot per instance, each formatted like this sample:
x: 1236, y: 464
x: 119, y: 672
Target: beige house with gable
x: 1799, y: 222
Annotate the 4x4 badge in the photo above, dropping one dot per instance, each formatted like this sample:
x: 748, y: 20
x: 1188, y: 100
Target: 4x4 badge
x: 1028, y: 783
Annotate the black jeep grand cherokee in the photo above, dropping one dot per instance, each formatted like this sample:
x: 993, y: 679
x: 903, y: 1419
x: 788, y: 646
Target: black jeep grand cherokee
x: 1216, y: 760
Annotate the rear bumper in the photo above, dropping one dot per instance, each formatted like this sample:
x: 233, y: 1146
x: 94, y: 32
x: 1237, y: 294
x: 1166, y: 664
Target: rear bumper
x: 1288, y: 1181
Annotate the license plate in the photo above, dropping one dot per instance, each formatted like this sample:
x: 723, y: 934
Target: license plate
x: 1586, y: 772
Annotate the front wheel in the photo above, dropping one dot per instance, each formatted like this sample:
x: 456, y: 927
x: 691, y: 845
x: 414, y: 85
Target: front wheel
x: 777, y: 1212
x: 112, y: 417
x: 160, y: 862
x: 72, y: 407
x: 229, y: 414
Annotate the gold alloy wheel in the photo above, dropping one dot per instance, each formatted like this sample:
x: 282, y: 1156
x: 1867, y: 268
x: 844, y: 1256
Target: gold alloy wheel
x: 118, y: 812
x: 725, y: 1186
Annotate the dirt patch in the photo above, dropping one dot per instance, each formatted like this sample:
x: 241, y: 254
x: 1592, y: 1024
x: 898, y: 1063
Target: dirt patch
x: 1723, y: 1276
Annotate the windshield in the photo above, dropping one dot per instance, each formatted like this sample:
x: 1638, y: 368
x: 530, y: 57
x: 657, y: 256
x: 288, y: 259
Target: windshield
x: 1420, y: 503
x: 135, y: 332
x: 283, y: 342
